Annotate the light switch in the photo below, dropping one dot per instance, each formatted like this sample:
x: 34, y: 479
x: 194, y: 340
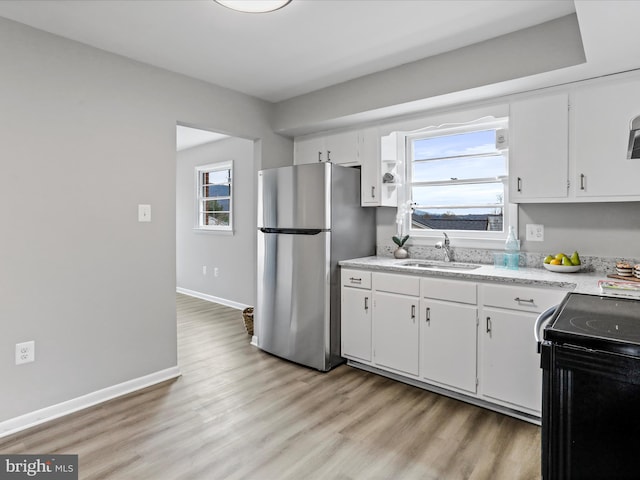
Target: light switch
x: 144, y: 213
x: 535, y: 233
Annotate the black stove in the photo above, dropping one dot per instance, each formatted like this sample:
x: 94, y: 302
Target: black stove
x: 607, y: 324
x: 590, y: 360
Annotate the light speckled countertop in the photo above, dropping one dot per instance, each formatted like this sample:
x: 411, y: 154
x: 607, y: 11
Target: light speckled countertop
x: 577, y: 282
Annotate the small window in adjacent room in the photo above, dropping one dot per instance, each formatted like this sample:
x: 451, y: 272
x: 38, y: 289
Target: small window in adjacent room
x: 457, y: 181
x: 214, y: 196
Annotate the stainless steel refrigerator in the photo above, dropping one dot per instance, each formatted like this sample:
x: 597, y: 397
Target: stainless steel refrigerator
x: 309, y: 218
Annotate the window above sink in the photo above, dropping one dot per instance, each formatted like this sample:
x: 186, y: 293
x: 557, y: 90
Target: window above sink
x: 456, y: 175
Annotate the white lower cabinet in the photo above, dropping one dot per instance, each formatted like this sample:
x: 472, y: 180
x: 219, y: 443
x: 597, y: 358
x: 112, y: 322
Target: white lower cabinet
x: 510, y: 365
x: 469, y: 340
x: 356, y: 324
x: 356, y: 306
x: 509, y: 362
x: 448, y: 333
x: 448, y: 343
x: 395, y: 337
x: 396, y: 340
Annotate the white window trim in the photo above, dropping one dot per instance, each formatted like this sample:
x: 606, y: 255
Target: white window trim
x: 223, y: 229
x: 467, y: 239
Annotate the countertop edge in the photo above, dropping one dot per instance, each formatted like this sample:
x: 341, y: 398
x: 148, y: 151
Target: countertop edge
x: 580, y: 282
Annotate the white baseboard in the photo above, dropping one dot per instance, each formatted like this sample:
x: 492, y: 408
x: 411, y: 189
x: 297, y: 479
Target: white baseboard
x: 28, y: 420
x: 211, y: 298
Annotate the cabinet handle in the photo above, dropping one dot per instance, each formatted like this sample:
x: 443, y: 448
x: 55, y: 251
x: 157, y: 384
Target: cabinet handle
x: 320, y: 156
x: 524, y: 300
x: 355, y: 280
x: 519, y: 184
x: 413, y: 313
x: 373, y: 192
x: 488, y: 324
x: 428, y: 320
x: 582, y: 181
x: 328, y: 155
x: 366, y: 303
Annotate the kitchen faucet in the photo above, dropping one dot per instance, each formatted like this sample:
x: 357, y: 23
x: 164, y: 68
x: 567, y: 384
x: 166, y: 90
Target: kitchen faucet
x: 445, y: 247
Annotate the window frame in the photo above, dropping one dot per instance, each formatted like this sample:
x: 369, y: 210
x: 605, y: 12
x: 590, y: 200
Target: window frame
x: 466, y: 238
x: 200, y: 198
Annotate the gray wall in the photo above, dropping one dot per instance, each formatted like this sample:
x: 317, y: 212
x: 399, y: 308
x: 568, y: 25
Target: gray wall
x: 233, y: 255
x: 543, y: 48
x: 86, y: 136
x: 595, y: 229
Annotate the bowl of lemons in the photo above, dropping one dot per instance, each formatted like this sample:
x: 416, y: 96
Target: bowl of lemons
x: 562, y: 263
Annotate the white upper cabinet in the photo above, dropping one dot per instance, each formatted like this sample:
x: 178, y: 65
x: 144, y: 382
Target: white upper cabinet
x: 379, y: 158
x: 370, y: 170
x: 308, y: 150
x: 575, y: 155
x: 600, y: 121
x: 340, y: 148
x: 361, y: 148
x: 344, y: 148
x: 539, y: 148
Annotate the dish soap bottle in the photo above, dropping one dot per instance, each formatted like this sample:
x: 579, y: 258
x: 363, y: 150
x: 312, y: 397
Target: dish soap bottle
x: 512, y: 250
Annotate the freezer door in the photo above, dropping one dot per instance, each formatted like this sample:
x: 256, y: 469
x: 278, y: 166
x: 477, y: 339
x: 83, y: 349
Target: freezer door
x: 295, y: 197
x: 292, y: 312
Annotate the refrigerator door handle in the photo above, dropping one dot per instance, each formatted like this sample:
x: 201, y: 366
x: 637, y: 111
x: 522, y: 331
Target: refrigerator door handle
x: 292, y: 231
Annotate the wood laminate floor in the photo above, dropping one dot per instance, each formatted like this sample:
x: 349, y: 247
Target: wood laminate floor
x: 239, y: 413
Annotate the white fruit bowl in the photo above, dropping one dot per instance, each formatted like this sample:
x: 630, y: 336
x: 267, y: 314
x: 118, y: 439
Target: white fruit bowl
x: 562, y: 268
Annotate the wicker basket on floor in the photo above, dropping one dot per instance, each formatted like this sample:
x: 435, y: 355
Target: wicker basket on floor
x: 247, y: 315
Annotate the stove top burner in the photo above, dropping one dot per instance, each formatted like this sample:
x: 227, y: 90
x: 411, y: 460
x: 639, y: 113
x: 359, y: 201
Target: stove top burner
x: 623, y: 327
x: 605, y: 323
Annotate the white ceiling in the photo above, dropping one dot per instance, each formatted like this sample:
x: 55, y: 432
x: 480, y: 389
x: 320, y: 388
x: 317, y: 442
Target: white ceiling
x: 306, y: 46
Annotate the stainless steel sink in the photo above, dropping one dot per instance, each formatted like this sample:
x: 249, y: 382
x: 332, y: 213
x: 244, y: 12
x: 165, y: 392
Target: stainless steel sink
x: 427, y: 265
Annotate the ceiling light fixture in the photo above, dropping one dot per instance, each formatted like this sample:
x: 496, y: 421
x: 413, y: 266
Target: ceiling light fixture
x: 253, y: 6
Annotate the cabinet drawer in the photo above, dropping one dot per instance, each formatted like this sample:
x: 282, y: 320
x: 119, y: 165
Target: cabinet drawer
x: 527, y: 299
x: 356, y: 278
x: 402, y: 284
x: 451, y: 290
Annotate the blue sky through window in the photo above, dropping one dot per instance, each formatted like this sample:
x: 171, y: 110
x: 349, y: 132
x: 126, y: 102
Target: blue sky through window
x: 470, y: 155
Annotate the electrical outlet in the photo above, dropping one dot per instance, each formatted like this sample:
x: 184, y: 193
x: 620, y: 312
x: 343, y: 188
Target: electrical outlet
x: 204, y: 269
x: 535, y: 232
x: 216, y: 272
x: 25, y: 352
x: 144, y: 213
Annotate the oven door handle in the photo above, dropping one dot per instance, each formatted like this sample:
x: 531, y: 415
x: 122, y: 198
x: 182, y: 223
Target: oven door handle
x: 541, y: 321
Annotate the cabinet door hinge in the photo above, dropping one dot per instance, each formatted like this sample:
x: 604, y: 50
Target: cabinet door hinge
x: 477, y: 382
x: 568, y: 184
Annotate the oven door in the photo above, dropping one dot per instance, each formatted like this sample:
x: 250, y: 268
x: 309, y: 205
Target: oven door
x: 590, y: 414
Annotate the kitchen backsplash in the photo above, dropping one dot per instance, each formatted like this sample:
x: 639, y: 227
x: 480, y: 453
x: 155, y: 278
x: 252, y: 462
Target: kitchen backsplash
x: 605, y: 265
